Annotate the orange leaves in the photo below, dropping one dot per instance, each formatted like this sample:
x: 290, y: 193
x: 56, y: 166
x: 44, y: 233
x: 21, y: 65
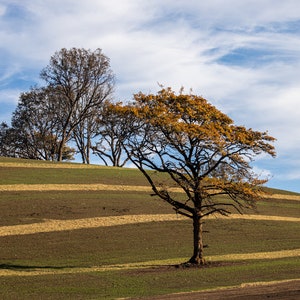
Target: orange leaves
x: 184, y: 113
x: 193, y: 117
x: 257, y: 141
x: 202, y: 140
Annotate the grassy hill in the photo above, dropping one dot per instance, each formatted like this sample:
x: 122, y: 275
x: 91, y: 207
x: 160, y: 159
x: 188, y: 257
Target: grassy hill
x: 97, y: 258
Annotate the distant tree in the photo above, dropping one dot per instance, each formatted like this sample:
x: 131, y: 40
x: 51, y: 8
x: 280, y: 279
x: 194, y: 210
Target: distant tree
x: 36, y: 126
x: 114, y: 127
x: 83, y: 135
x: 202, y: 153
x: 6, y: 141
x: 83, y: 80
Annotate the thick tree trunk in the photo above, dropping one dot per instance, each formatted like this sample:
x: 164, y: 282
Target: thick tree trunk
x: 197, y: 257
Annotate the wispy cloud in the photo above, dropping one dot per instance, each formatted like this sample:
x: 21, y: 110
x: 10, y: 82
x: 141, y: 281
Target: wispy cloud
x: 9, y: 96
x: 243, y: 56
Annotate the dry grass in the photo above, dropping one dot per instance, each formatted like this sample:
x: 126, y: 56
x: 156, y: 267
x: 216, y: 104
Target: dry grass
x: 285, y: 197
x: 103, y: 187
x: 43, y: 165
x: 62, y: 225
x: 71, y: 187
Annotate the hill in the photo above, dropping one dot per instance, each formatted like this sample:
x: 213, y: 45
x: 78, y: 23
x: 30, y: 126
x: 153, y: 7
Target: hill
x: 76, y: 231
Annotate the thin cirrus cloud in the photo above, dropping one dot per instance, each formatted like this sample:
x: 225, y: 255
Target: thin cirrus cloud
x: 243, y: 56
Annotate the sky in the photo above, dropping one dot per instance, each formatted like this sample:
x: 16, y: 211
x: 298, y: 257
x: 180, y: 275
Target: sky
x: 243, y: 56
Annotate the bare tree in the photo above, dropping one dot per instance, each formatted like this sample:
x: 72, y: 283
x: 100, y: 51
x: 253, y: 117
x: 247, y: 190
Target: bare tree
x: 83, y: 135
x: 83, y: 80
x: 36, y: 126
x: 6, y: 141
x: 114, y: 127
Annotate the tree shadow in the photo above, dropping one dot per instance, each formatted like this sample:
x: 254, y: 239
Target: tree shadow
x: 22, y: 267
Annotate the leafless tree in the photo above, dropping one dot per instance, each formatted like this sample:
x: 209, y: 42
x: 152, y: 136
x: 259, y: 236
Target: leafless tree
x: 82, y: 80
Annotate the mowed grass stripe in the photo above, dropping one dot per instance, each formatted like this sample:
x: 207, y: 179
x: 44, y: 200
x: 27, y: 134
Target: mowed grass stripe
x: 104, y: 187
x: 62, y: 225
x: 71, y: 187
x: 151, y: 264
x: 47, y: 164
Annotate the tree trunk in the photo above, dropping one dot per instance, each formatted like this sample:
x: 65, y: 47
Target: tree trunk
x: 88, y: 148
x: 197, y: 257
x: 60, y: 150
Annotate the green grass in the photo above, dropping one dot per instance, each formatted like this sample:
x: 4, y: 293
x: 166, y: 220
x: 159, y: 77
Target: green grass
x: 145, y: 242
x: 135, y: 243
x: 33, y: 175
x: 146, y: 282
x: 30, y: 207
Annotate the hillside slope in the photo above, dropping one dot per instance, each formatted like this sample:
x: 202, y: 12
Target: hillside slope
x: 81, y: 232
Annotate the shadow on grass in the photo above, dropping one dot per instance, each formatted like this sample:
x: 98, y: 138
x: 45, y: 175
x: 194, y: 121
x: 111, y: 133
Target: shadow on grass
x: 20, y: 267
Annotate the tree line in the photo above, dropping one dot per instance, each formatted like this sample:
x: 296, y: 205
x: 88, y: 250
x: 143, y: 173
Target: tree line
x: 69, y: 115
x: 196, y: 147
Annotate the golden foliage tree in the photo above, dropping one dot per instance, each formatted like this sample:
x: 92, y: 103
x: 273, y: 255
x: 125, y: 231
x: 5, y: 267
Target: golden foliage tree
x: 202, y: 152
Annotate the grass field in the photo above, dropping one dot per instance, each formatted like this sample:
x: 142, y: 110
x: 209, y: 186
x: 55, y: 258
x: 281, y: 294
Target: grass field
x: 97, y: 234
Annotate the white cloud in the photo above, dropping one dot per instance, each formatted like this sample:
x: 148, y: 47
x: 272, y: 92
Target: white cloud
x: 191, y: 43
x: 9, y: 72
x: 294, y: 175
x: 2, y: 10
x: 262, y: 173
x: 9, y: 96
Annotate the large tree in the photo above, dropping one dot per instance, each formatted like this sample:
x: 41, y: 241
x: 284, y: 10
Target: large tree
x: 201, y: 151
x: 83, y: 80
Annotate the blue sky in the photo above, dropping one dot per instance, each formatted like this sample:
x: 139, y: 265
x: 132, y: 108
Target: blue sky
x: 241, y: 55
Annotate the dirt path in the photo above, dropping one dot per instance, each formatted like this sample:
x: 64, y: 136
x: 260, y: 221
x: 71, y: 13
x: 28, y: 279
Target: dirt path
x: 61, y: 225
